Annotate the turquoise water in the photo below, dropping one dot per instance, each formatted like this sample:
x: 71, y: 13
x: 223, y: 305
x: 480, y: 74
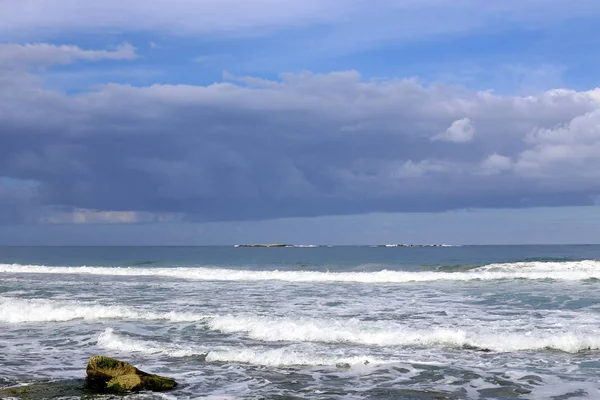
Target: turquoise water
x: 317, y: 323
x: 293, y: 258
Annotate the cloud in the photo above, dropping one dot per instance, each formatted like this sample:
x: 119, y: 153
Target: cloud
x: 495, y: 164
x: 563, y: 151
x: 461, y: 131
x: 44, y: 54
x: 249, y: 148
x: 18, y: 203
x: 339, y: 23
x: 82, y: 216
x: 179, y: 16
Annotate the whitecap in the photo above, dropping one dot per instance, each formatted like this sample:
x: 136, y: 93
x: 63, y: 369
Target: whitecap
x: 394, y: 334
x: 563, y: 271
x: 17, y: 310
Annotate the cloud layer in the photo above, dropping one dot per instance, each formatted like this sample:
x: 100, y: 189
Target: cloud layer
x: 44, y: 55
x: 344, y: 24
x: 305, y: 144
x: 28, y: 17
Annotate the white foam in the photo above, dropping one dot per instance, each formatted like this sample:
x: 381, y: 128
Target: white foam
x: 565, y: 271
x: 546, y: 266
x: 393, y: 334
x: 15, y: 310
x: 286, y: 356
x: 111, y: 341
x: 315, y: 330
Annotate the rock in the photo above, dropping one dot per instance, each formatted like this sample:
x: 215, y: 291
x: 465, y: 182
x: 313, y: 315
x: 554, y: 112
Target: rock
x: 107, y: 374
x: 46, y: 390
x: 125, y: 383
x: 264, y: 245
x: 476, y: 348
x: 105, y: 368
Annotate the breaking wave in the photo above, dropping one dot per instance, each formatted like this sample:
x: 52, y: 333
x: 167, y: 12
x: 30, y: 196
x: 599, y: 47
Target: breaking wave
x: 285, y: 356
x: 288, y: 357
x: 109, y: 340
x: 15, y: 310
x: 393, y: 334
x: 563, y: 271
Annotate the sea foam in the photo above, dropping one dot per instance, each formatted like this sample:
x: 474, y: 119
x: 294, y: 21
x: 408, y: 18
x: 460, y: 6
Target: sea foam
x: 16, y: 310
x: 564, y: 271
x: 111, y: 341
x: 289, y: 357
x: 395, y: 334
x: 284, y: 356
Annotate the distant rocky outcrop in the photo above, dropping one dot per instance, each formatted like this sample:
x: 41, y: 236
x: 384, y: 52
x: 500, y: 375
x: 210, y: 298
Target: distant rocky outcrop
x: 264, y: 245
x: 106, y: 374
x: 411, y: 245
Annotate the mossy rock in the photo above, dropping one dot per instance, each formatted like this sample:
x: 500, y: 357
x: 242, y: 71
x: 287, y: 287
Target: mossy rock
x: 125, y: 383
x: 105, y: 368
x: 157, y: 383
x: 106, y: 374
x: 47, y: 390
x: 135, y: 383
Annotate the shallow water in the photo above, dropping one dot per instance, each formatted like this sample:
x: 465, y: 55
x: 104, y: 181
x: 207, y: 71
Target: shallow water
x: 316, y: 323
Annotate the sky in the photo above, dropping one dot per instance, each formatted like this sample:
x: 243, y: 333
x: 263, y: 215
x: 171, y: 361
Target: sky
x: 201, y: 122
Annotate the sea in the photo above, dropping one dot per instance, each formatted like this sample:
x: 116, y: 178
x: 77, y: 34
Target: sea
x: 309, y: 322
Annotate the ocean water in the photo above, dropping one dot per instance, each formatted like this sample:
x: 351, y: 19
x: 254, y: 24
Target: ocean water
x: 470, y: 322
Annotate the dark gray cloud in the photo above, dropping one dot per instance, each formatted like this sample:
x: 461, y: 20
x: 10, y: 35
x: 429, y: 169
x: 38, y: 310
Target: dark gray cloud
x: 305, y: 145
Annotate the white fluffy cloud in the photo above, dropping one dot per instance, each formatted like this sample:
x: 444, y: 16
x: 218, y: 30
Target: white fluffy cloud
x: 496, y: 164
x: 566, y: 150
x: 44, y: 54
x: 461, y: 131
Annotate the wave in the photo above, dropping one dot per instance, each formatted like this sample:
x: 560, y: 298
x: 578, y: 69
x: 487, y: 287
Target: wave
x: 564, y: 271
x: 393, y: 334
x: 109, y: 340
x: 288, y: 357
x: 285, y: 356
x: 308, y: 330
x: 15, y: 310
x: 584, y: 266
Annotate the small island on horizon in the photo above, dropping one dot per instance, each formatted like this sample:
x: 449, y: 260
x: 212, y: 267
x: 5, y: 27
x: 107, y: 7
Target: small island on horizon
x: 320, y: 245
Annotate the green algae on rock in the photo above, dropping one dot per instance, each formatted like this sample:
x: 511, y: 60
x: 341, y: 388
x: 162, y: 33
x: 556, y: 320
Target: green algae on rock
x: 107, y: 374
x: 125, y: 383
x: 73, y: 388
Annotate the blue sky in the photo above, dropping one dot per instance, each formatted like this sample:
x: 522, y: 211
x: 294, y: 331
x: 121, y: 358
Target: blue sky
x: 217, y: 122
